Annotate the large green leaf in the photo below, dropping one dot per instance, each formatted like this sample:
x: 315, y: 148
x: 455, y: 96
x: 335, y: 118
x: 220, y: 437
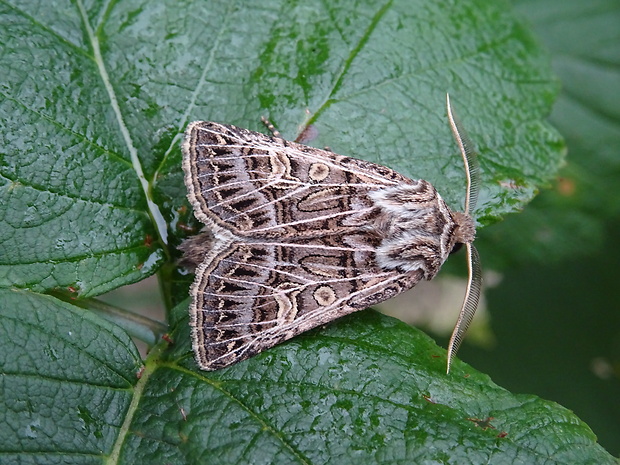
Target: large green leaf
x: 368, y: 389
x: 95, y: 97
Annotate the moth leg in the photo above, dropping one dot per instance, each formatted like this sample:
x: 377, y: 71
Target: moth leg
x: 271, y: 127
x: 304, y: 136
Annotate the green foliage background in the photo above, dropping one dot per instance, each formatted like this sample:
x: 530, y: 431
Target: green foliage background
x: 556, y: 315
x: 94, y: 97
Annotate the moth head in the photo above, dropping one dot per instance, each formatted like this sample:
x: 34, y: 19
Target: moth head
x: 466, y: 230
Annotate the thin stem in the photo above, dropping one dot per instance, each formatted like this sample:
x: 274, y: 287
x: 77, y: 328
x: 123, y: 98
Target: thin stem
x: 138, y: 326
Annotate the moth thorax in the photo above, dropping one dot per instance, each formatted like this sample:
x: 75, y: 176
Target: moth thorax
x: 416, y: 227
x: 466, y: 228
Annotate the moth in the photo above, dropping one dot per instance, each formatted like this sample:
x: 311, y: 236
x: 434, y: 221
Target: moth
x: 296, y: 237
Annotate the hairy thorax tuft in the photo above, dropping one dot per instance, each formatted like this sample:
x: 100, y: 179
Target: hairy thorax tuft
x: 417, y: 228
x: 466, y: 231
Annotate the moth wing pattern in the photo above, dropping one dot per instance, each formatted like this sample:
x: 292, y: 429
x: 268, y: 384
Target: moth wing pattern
x: 261, y: 186
x: 295, y: 234
x: 242, y: 305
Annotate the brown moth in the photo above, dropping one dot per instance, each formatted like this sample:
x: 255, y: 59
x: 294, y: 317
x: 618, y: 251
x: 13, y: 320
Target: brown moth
x: 296, y: 237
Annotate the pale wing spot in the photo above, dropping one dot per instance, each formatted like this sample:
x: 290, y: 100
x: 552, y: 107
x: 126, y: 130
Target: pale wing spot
x: 318, y: 171
x: 285, y: 296
x: 324, y: 296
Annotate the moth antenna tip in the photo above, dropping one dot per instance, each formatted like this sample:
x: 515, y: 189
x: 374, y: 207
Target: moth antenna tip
x: 470, y: 159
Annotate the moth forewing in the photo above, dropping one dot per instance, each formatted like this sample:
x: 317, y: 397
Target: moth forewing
x: 300, y: 237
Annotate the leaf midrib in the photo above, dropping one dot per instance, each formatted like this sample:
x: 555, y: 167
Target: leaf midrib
x: 153, y: 208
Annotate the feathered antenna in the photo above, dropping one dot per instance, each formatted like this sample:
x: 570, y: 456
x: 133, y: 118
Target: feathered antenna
x: 474, y: 282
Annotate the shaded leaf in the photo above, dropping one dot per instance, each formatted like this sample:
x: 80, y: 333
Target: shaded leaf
x: 569, y: 221
x: 559, y: 258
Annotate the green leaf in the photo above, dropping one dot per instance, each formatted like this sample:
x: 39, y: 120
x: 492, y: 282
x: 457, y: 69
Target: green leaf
x: 67, y: 379
x: 557, y: 305
x: 368, y: 389
x: 94, y: 100
x: 73, y: 213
